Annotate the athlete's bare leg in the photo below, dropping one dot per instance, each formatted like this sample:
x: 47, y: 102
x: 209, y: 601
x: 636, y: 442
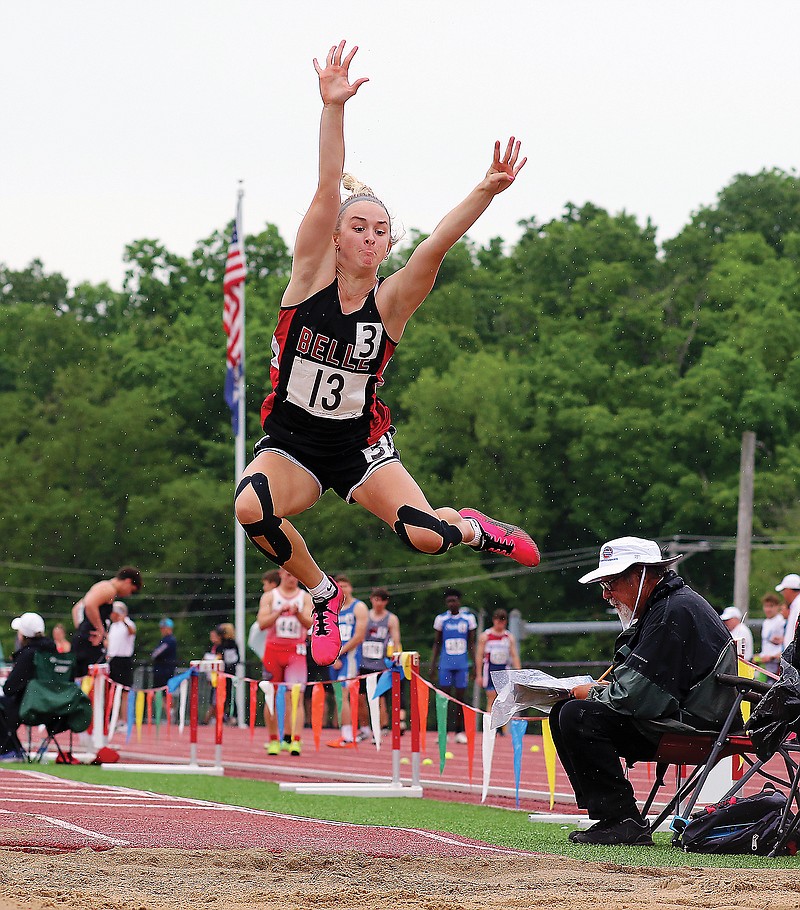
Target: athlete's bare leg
x: 391, y: 487
x: 271, y: 721
x: 300, y: 719
x: 271, y: 718
x: 271, y: 488
x: 292, y: 490
x: 392, y: 494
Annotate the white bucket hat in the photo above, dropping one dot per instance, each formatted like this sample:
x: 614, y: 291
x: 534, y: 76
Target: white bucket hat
x: 620, y: 554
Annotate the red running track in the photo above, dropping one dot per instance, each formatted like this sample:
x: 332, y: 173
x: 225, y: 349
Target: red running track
x: 41, y: 813
x: 245, y: 756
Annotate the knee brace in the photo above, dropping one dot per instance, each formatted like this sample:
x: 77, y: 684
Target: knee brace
x: 409, y: 517
x: 269, y: 527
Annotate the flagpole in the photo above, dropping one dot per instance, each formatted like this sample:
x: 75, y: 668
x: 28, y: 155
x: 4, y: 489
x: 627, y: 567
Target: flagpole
x: 239, y: 537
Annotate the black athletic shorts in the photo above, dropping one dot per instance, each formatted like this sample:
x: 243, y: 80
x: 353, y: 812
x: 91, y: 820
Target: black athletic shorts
x: 342, y: 473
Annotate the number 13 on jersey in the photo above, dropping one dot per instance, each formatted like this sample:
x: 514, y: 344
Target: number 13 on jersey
x: 326, y: 391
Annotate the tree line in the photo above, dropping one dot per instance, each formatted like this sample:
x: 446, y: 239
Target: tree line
x: 585, y: 383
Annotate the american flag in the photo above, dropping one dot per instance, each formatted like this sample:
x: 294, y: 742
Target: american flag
x: 232, y: 321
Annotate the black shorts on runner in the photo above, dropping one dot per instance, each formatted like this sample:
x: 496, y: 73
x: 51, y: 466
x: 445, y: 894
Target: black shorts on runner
x: 342, y: 473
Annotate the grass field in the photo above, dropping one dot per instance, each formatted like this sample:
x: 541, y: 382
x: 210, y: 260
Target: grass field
x: 501, y: 827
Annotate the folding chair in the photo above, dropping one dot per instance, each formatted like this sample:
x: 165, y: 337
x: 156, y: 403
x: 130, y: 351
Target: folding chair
x: 773, y: 727
x: 52, y: 699
x: 704, y: 751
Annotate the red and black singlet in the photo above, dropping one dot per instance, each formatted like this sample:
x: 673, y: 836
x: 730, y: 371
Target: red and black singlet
x: 325, y: 371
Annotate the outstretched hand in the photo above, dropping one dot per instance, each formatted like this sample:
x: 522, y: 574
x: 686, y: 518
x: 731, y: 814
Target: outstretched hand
x: 334, y: 81
x: 503, y: 170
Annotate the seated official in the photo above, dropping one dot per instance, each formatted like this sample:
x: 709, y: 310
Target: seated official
x: 30, y: 628
x: 664, y: 678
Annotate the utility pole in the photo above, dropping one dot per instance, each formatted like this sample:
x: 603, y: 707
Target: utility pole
x: 744, y: 530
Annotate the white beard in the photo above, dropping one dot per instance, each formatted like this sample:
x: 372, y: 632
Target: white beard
x: 624, y: 613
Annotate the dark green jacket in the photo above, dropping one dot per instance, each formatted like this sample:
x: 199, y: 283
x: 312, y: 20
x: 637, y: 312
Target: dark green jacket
x: 665, y: 665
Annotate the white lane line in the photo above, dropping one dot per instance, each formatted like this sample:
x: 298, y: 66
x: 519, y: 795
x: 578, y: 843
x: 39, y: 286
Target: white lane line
x: 213, y: 807
x: 73, y: 794
x: 246, y: 810
x: 59, y: 823
x: 187, y: 802
x: 460, y: 843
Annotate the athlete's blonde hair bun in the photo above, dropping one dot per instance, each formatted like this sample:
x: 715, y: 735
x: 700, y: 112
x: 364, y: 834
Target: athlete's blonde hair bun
x: 354, y: 186
x: 360, y: 191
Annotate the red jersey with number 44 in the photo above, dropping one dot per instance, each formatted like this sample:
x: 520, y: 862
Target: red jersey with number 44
x: 325, y: 371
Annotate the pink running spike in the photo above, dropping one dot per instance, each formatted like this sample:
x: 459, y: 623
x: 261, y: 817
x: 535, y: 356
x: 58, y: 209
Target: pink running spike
x: 503, y: 539
x: 325, y: 639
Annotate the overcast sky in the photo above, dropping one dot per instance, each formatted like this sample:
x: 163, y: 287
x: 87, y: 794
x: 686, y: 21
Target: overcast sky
x: 128, y: 121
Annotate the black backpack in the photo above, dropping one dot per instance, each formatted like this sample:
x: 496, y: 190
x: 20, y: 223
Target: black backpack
x: 737, y: 825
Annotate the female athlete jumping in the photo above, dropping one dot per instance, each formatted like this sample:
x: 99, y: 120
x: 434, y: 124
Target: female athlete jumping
x: 338, y: 327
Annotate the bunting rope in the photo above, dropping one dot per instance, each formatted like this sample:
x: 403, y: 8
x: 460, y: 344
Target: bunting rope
x: 155, y: 704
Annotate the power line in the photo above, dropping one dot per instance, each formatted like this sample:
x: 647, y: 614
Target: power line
x: 553, y: 561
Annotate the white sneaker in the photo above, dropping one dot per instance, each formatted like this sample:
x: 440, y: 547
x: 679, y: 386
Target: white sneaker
x: 461, y: 738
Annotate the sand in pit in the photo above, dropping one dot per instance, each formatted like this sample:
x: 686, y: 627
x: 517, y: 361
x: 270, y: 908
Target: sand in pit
x: 140, y: 879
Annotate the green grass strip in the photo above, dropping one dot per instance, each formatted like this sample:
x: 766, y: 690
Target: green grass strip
x: 502, y: 827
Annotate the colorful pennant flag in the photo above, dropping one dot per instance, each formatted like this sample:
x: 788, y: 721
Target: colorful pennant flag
x: 374, y: 704
x: 518, y: 728
x: 441, y: 727
x: 549, y: 758
x: 470, y: 716
x: 487, y: 753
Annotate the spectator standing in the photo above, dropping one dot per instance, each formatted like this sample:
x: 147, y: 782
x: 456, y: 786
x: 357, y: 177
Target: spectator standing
x: 120, y: 645
x: 229, y: 652
x: 732, y: 617
x: 165, y: 655
x: 772, y: 631
x: 94, y: 608
x: 381, y: 640
x: 63, y: 645
x: 454, y: 647
x: 353, y: 619
x: 497, y: 650
x: 790, y: 589
x: 213, y: 653
x: 30, y: 635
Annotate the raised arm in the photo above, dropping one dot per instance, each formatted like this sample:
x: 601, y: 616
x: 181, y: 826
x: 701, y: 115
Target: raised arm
x: 404, y: 291
x: 314, y: 262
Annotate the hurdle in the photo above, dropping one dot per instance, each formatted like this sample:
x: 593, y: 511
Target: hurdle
x: 405, y: 664
x: 213, y: 666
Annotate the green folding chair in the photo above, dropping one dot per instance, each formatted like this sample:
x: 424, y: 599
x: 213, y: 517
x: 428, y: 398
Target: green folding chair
x: 54, y: 700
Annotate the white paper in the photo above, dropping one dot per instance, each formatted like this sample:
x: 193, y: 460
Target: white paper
x: 521, y: 689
